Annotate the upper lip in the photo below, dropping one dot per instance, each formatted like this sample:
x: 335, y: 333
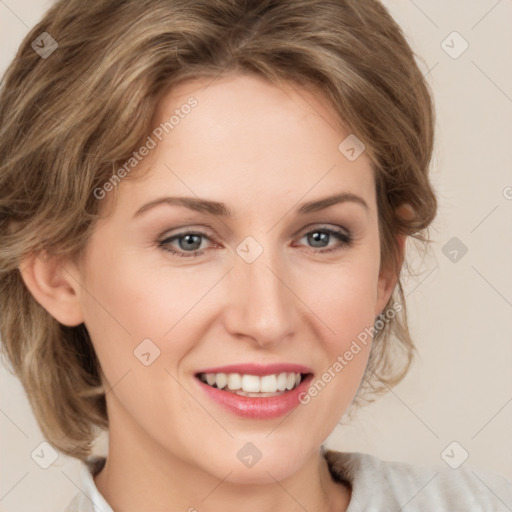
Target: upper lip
x: 258, y: 369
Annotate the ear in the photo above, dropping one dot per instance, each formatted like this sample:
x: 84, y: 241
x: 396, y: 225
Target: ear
x: 388, y: 279
x: 50, y: 282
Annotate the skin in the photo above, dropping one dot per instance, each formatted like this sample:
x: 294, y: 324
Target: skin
x: 262, y: 150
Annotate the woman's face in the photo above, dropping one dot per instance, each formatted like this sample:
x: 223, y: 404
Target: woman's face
x: 170, y: 291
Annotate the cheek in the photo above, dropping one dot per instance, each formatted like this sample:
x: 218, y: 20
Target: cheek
x: 345, y: 305
x: 127, y: 297
x: 343, y: 298
x: 344, y: 295
x: 347, y: 309
x: 128, y: 300
x: 129, y: 314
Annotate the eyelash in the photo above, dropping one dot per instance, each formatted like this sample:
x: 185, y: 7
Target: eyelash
x: 345, y: 240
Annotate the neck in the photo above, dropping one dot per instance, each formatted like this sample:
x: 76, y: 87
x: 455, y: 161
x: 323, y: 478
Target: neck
x: 141, y: 475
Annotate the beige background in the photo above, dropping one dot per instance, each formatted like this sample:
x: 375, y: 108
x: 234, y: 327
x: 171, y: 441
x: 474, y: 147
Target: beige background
x: 460, y: 311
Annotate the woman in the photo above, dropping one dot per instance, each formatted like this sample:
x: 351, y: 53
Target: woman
x: 203, y: 230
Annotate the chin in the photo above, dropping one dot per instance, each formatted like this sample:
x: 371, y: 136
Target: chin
x: 262, y: 473
x: 256, y: 462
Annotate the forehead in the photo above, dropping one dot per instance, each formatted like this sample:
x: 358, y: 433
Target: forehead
x: 244, y: 138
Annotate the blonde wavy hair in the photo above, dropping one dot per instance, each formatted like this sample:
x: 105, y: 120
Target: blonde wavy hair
x: 70, y: 120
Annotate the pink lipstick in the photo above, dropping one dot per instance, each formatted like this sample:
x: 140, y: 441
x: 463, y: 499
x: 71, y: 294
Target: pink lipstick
x: 255, y: 391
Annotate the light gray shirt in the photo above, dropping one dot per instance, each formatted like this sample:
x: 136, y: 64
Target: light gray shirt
x: 377, y: 486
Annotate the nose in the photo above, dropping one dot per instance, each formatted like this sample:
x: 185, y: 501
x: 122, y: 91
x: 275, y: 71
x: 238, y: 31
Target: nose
x: 261, y: 304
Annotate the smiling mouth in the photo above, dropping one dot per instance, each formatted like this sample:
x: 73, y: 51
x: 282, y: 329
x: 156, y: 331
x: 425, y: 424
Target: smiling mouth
x: 253, y: 385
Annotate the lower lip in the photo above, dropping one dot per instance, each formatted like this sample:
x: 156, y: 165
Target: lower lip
x: 257, y: 408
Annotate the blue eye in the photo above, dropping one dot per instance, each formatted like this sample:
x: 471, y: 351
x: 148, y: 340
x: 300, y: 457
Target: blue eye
x: 323, y: 235
x: 189, y: 242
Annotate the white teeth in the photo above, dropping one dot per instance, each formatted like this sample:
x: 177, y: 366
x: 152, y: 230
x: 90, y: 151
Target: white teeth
x: 281, y: 381
x: 268, y: 384
x: 234, y: 381
x: 249, y: 385
x: 290, y: 381
x: 221, y: 379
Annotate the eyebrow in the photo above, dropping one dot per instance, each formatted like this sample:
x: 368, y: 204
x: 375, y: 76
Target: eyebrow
x: 221, y: 210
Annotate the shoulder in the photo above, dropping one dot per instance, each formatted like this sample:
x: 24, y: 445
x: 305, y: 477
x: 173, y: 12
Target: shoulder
x: 382, y: 485
x: 89, y: 498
